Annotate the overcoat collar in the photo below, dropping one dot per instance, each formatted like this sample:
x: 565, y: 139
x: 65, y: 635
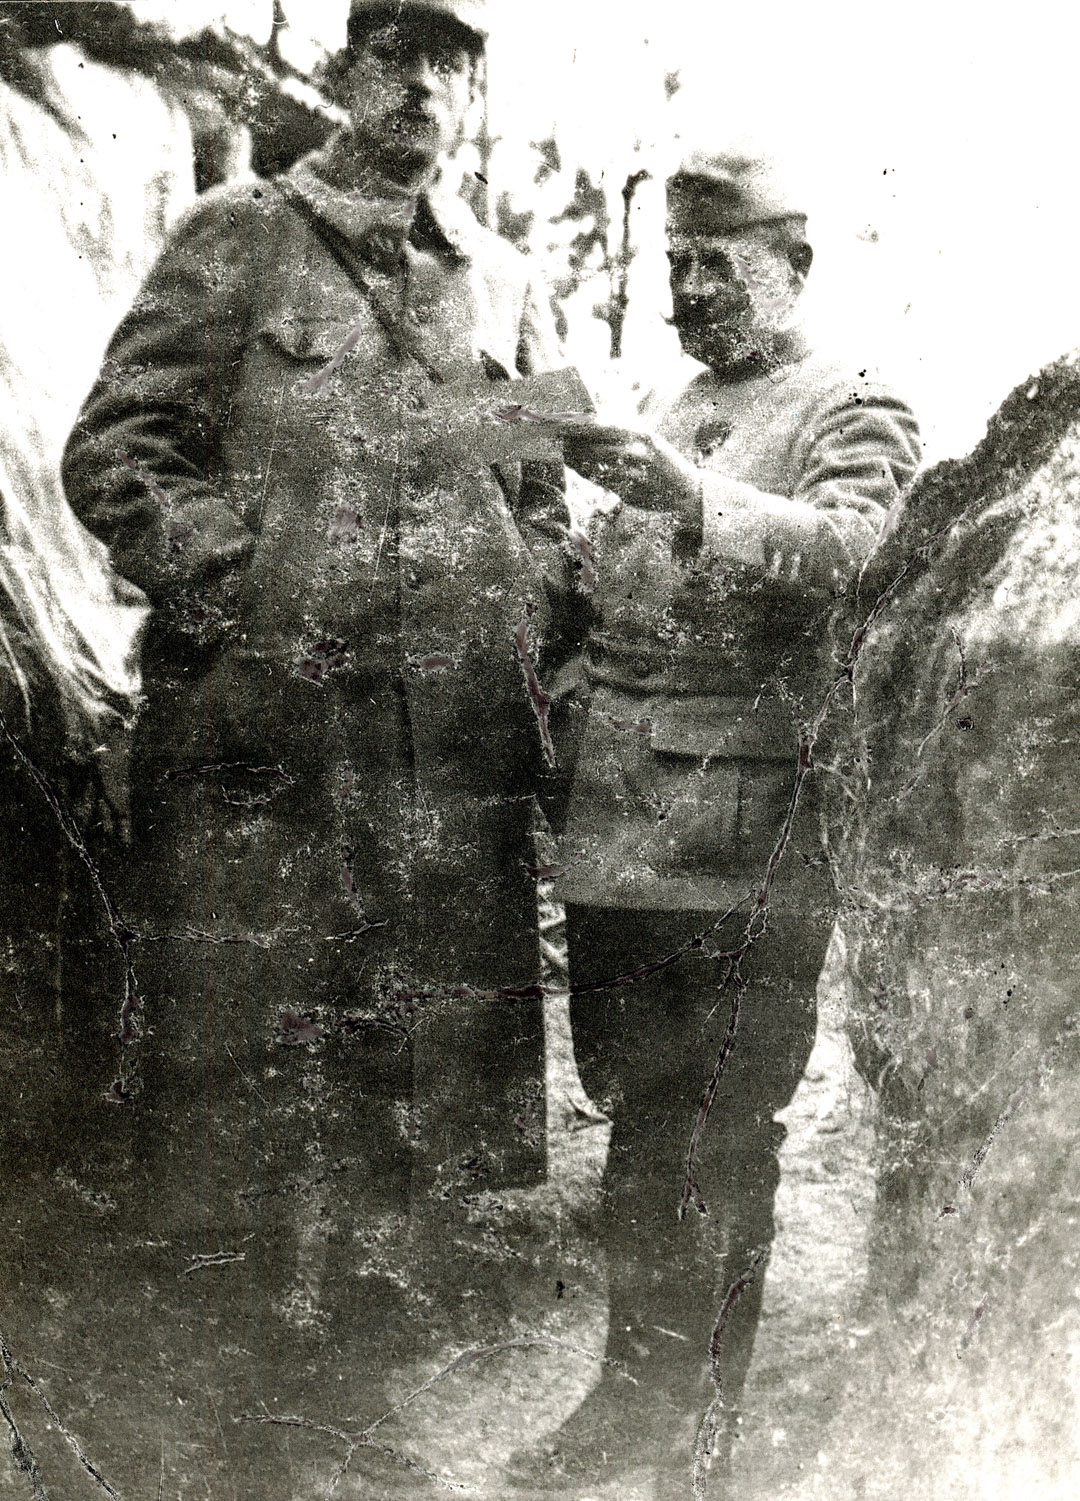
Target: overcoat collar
x: 384, y: 211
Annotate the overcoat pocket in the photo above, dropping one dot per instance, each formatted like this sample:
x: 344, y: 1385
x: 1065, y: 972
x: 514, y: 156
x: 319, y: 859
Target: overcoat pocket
x: 307, y: 340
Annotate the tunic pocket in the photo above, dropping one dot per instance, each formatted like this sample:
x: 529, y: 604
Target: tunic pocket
x: 732, y: 728
x: 718, y: 817
x: 723, y: 770
x: 696, y: 806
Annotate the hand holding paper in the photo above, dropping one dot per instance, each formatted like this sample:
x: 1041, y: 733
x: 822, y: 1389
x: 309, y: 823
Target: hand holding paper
x: 641, y: 468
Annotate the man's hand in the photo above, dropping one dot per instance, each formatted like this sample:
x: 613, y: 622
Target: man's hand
x: 640, y: 468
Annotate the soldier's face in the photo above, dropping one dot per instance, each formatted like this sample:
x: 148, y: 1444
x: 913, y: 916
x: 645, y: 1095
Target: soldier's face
x: 410, y: 90
x: 733, y: 296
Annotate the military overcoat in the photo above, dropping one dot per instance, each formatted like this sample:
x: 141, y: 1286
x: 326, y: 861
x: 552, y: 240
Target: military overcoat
x: 333, y: 774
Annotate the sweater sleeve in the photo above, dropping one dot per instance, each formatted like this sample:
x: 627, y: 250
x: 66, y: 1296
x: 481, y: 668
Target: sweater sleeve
x: 143, y: 468
x: 853, y: 458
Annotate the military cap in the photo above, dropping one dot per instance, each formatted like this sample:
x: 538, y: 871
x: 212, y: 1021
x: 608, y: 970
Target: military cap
x: 468, y: 14
x: 727, y: 191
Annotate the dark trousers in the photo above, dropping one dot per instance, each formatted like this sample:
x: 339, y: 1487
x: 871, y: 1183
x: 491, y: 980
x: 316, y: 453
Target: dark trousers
x: 646, y: 1051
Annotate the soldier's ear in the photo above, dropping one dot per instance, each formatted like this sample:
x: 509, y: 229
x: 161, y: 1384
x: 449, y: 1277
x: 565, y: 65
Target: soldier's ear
x: 801, y: 257
x: 473, y: 122
x: 477, y: 76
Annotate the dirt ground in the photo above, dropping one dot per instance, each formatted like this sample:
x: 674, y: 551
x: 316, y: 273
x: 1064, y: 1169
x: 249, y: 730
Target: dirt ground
x: 463, y: 1421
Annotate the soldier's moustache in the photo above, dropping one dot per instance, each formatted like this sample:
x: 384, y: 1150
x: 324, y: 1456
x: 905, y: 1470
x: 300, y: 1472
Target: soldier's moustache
x: 691, y: 313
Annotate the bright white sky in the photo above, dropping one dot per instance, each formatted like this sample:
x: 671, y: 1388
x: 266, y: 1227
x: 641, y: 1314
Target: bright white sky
x: 936, y: 144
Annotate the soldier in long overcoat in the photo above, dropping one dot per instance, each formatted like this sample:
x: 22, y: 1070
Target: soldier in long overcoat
x: 332, y: 777
x: 748, y: 505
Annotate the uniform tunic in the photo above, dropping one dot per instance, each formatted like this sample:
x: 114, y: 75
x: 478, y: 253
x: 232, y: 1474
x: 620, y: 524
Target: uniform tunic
x: 702, y: 671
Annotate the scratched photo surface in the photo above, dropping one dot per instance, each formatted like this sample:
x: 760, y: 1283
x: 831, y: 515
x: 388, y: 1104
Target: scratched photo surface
x: 539, y: 664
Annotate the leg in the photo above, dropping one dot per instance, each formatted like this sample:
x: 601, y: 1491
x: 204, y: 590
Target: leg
x: 646, y: 1052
